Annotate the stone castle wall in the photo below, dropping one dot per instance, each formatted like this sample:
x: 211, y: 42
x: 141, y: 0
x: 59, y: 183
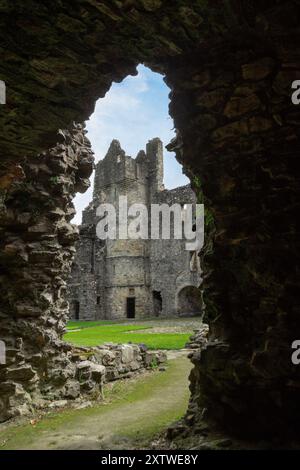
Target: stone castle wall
x: 171, y: 269
x: 108, y: 276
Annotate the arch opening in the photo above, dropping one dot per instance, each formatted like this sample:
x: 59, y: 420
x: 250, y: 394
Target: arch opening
x: 134, y: 113
x: 189, y: 302
x: 237, y: 135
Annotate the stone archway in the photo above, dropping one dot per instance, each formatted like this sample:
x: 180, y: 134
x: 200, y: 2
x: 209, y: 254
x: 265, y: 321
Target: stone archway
x: 230, y: 68
x: 189, y: 302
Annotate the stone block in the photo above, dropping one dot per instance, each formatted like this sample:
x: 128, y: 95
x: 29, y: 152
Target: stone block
x: 238, y: 106
x: 109, y: 358
x: 127, y: 353
x: 98, y: 373
x: 23, y: 373
x: 72, y: 389
x: 258, y: 70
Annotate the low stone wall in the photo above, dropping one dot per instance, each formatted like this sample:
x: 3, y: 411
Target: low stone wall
x: 118, y: 360
x: 199, y: 338
x: 80, y: 378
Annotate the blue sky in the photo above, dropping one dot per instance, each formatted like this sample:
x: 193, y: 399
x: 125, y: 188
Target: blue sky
x: 133, y: 112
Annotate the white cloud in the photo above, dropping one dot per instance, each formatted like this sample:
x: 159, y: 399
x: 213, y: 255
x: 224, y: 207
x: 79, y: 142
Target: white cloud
x: 138, y: 83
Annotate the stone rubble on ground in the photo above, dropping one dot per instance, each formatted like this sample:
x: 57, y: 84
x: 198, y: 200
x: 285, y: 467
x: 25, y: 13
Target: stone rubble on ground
x: 199, y: 338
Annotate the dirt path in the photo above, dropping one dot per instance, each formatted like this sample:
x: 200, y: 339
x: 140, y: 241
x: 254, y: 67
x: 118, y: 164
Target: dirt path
x: 147, y: 406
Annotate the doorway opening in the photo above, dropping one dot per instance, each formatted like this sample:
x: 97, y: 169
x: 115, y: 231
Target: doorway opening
x: 157, y: 302
x: 76, y: 310
x: 189, y: 302
x: 130, y: 308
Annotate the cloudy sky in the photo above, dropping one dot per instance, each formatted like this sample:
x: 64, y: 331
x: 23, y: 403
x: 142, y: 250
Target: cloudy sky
x: 133, y: 112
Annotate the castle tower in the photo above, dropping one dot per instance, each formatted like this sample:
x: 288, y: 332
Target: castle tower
x: 119, y: 278
x: 125, y: 262
x: 155, y: 161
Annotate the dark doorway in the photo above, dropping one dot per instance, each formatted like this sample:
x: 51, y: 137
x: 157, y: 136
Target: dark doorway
x: 157, y: 302
x: 189, y: 302
x: 76, y: 310
x: 130, y: 307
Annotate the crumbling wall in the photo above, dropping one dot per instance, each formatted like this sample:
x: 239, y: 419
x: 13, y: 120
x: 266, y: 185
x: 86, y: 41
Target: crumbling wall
x: 242, y: 166
x: 170, y: 261
x: 83, y: 294
x: 120, y: 360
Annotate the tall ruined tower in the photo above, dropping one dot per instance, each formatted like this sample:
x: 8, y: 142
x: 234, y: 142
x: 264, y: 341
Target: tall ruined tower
x: 119, y: 172
x: 125, y: 263
x: 113, y: 278
x: 155, y: 160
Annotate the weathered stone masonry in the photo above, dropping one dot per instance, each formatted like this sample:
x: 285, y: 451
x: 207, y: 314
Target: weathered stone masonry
x: 37, y: 244
x: 230, y: 65
x: 133, y: 278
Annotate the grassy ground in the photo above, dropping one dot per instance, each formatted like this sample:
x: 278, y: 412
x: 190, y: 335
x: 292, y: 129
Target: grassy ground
x: 74, y: 325
x: 150, y: 333
x: 133, y: 413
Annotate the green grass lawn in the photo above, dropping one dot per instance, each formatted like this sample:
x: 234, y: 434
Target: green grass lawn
x: 97, y: 333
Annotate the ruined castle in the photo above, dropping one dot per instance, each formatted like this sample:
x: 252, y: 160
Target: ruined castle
x: 125, y: 278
